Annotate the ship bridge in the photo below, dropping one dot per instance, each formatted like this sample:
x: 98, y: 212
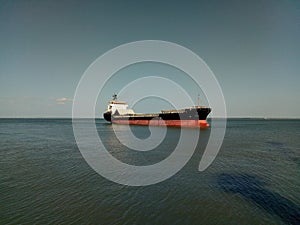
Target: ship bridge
x: 118, y: 107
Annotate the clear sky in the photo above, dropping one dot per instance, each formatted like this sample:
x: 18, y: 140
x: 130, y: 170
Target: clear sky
x: 252, y: 47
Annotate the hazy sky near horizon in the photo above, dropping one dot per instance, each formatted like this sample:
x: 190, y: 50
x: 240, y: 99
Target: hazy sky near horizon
x: 252, y: 47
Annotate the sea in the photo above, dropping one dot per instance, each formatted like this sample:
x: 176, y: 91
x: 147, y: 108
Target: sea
x: 255, y: 178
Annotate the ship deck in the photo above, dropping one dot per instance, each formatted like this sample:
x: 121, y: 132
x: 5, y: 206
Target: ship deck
x: 138, y: 115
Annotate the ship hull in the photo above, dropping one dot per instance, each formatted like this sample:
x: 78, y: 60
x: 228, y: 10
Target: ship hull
x: 160, y: 122
x: 192, y: 117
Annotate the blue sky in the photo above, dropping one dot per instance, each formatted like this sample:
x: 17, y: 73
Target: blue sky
x: 251, y: 46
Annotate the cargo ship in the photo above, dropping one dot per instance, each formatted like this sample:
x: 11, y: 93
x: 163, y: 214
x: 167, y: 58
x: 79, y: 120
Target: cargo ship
x: 118, y: 113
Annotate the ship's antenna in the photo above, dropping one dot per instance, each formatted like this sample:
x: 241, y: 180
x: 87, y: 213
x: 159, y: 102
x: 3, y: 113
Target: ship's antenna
x: 115, y: 97
x: 198, y: 100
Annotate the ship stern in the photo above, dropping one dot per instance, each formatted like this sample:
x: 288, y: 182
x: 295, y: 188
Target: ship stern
x: 107, y: 116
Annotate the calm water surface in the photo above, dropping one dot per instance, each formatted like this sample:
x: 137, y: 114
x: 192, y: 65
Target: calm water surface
x: 255, y: 178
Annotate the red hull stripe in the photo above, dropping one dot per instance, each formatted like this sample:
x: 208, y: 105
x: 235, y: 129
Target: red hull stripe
x: 171, y: 123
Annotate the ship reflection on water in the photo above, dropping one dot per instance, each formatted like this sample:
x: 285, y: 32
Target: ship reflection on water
x: 119, y: 140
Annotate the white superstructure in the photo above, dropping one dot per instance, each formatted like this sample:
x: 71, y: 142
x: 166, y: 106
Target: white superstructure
x: 116, y: 107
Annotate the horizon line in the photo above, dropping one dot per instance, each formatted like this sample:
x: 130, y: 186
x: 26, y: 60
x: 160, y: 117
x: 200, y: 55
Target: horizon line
x: 229, y: 117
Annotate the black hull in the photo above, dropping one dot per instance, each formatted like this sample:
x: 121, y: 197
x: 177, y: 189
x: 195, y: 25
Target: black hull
x: 185, y: 114
x: 107, y: 116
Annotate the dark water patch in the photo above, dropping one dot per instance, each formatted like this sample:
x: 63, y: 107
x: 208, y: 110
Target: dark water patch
x: 254, y: 189
x: 275, y: 144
